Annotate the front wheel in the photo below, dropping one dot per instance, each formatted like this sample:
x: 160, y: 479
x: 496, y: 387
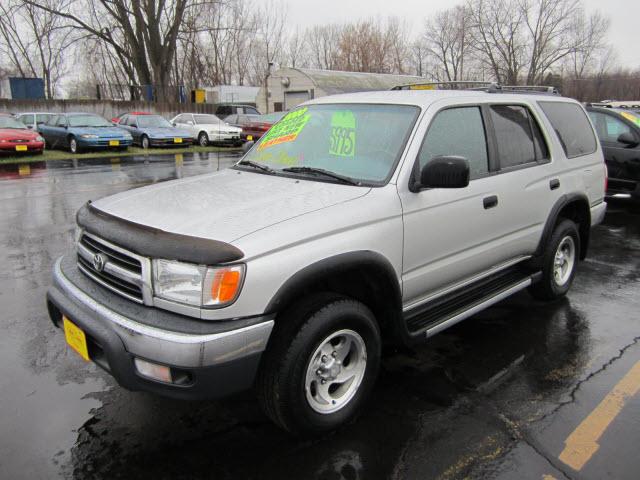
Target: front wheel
x: 73, y: 145
x: 559, y: 262
x: 320, y: 365
x: 144, y: 142
x: 203, y: 139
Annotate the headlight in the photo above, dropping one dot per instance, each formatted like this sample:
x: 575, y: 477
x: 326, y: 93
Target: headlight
x: 39, y: 139
x: 88, y: 135
x: 196, y: 284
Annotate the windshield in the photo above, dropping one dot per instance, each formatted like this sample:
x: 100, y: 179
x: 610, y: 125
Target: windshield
x: 360, y: 141
x: 8, y: 122
x: 206, y: 119
x: 152, y: 121
x: 87, y: 121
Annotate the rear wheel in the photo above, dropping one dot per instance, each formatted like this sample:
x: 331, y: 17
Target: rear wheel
x: 320, y: 365
x: 203, y: 139
x: 144, y: 142
x: 559, y: 262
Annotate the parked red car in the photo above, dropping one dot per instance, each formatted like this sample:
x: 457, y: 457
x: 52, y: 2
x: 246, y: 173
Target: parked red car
x: 16, y: 137
x: 254, y: 125
x: 116, y: 120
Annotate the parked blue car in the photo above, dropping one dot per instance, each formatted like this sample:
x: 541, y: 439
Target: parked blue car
x: 81, y: 131
x: 154, y: 131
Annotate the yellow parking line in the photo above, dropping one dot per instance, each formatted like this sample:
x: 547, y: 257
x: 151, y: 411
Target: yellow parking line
x: 583, y: 442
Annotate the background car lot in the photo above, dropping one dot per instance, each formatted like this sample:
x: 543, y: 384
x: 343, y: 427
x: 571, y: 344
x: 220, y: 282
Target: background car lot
x: 495, y: 397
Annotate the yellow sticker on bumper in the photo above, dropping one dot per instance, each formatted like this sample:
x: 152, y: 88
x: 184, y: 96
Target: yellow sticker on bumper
x: 75, y: 338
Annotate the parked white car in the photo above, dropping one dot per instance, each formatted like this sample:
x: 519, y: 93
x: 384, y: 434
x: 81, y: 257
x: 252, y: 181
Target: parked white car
x: 207, y: 128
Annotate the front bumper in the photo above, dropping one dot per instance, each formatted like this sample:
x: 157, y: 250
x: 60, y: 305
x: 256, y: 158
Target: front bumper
x: 103, y: 142
x: 170, y: 142
x: 213, y: 359
x: 31, y: 147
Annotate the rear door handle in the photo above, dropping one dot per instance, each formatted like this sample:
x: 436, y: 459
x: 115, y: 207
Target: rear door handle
x: 554, y: 183
x: 490, y: 202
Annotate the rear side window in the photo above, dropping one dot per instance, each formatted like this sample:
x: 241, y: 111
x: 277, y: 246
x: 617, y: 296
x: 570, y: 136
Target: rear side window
x: 457, y: 132
x: 572, y: 127
x: 43, y: 118
x: 27, y: 119
x: 518, y: 136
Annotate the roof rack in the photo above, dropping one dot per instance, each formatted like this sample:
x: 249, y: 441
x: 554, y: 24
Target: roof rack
x: 453, y: 85
x: 489, y: 87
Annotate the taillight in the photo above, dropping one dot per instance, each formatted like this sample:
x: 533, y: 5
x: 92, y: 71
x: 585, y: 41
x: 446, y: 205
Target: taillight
x: 606, y: 178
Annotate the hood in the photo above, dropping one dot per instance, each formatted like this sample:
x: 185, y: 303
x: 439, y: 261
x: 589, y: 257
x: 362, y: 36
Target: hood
x: 225, y: 205
x: 17, y: 134
x: 165, y: 132
x: 102, y: 132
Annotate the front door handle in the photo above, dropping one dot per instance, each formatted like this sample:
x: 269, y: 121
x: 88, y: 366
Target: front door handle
x: 490, y: 202
x: 554, y: 183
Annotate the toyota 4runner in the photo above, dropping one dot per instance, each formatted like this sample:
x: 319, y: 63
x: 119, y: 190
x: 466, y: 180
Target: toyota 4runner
x: 357, y: 219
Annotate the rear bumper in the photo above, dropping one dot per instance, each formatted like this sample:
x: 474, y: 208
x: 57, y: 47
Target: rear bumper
x: 222, y: 358
x: 597, y: 213
x: 623, y: 187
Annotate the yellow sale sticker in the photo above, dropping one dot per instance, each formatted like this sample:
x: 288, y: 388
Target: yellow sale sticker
x: 631, y: 117
x: 286, y: 130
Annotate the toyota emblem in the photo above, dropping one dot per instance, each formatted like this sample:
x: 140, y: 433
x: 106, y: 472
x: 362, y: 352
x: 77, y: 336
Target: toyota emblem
x: 99, y: 261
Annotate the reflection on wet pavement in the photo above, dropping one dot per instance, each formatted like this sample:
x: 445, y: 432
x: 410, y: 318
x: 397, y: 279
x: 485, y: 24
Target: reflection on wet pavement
x: 494, y: 397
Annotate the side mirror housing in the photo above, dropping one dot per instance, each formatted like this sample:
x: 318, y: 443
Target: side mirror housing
x: 445, y: 172
x: 246, y: 146
x: 628, y: 139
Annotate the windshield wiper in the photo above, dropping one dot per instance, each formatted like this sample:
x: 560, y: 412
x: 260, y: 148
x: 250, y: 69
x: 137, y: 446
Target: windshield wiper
x: 323, y: 172
x: 251, y: 163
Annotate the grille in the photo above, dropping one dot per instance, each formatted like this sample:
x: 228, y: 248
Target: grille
x: 120, y: 272
x: 19, y: 140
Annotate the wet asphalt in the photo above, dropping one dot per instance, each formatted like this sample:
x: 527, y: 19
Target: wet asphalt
x: 494, y: 397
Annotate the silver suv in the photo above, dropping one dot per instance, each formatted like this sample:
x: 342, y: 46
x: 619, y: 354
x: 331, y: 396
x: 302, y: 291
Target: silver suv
x: 357, y: 219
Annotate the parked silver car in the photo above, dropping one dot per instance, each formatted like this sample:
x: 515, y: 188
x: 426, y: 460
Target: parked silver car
x: 356, y: 219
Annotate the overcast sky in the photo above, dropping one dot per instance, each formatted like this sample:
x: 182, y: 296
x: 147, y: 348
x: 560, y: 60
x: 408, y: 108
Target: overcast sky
x: 623, y: 33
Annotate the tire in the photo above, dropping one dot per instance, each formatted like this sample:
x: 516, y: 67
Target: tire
x: 299, y: 386
x: 73, y: 145
x: 144, y: 142
x: 559, y: 262
x: 203, y: 139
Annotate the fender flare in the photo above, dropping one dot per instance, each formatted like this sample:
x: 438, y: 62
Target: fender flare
x: 364, y: 259
x: 552, y: 219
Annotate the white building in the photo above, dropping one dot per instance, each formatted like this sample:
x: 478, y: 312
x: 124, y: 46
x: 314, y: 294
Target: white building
x: 231, y: 93
x: 288, y: 87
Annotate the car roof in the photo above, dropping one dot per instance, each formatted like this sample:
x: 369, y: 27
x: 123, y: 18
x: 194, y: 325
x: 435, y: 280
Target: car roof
x: 36, y: 113
x: 424, y: 98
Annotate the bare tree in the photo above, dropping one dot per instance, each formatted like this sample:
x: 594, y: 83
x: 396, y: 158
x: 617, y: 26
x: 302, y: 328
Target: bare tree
x: 498, y: 38
x: 36, y: 41
x: 447, y: 40
x: 323, y: 47
x: 143, y: 33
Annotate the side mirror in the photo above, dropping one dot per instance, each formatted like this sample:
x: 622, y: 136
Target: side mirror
x: 628, y: 139
x: 246, y: 146
x: 30, y: 127
x: 445, y: 172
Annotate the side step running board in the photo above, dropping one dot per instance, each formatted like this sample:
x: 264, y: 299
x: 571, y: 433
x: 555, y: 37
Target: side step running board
x: 444, y: 312
x: 477, y: 308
